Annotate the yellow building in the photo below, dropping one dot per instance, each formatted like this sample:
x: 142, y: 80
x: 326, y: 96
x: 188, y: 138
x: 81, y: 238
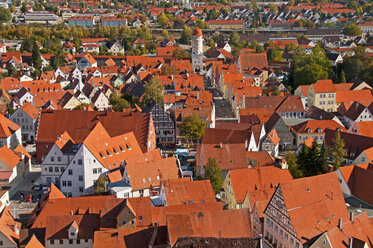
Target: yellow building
x: 322, y: 94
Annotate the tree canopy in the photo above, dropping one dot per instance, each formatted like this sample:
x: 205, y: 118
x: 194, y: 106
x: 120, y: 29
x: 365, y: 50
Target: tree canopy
x: 213, y: 173
x: 337, y: 151
x: 307, y: 69
x: 192, y: 128
x: 352, y: 30
x: 154, y: 90
x: 118, y: 103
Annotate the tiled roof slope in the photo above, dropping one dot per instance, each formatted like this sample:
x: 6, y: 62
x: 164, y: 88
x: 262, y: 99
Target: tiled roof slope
x: 182, y: 191
x: 80, y: 123
x: 234, y: 223
x: 359, y: 180
x: 314, y: 204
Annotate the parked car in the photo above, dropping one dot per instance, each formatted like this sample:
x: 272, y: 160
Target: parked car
x: 37, y: 187
x: 45, y: 187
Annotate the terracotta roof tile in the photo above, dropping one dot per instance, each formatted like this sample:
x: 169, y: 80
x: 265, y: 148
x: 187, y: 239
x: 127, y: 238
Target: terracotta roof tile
x: 7, y: 127
x: 34, y: 243
x: 251, y: 60
x: 150, y: 173
x: 233, y: 223
x: 314, y: 204
x: 183, y: 191
x: 258, y: 182
x: 30, y: 110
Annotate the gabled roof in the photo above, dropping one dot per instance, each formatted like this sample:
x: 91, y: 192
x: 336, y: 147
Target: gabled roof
x: 323, y: 86
x: 360, y: 229
x: 145, y: 174
x: 34, y: 243
x: 112, y: 152
x: 8, y: 225
x: 183, y: 191
x: 89, y: 58
x: 234, y: 223
x: 64, y: 207
x: 7, y: 127
x: 317, y: 126
x: 259, y: 182
x: 355, y: 110
x: 314, y: 204
x: 57, y: 226
x: 251, y: 60
x: 225, y: 136
x: 358, y: 179
x: 273, y: 136
x: 80, y: 123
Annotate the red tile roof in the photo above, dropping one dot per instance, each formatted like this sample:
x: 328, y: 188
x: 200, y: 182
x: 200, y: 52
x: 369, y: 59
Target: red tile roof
x: 7, y: 127
x: 314, y: 204
x: 79, y: 124
x: 183, y: 191
x: 259, y: 182
x: 145, y: 174
x: 233, y: 223
x: 250, y: 60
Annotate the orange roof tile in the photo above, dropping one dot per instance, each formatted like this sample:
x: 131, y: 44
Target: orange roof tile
x: 183, y: 191
x: 234, y: 223
x: 34, y: 243
x: 250, y: 60
x: 348, y: 97
x: 314, y: 204
x: 323, y: 86
x: 30, y: 110
x: 257, y: 182
x: 7, y: 127
x: 145, y: 174
x: 274, y: 137
x: 317, y: 126
x: 10, y: 83
x: 8, y: 225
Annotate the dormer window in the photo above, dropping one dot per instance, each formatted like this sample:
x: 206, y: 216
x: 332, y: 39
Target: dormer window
x: 319, y: 130
x: 309, y: 130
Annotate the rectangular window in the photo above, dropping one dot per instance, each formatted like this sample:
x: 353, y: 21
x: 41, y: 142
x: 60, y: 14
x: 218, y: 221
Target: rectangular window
x: 94, y: 171
x: 50, y: 169
x: 59, y: 159
x: 81, y: 189
x: 80, y: 178
x: 62, y: 169
x: 52, y: 159
x: 71, y: 241
x: 69, y: 183
x: 63, y: 183
x: 80, y: 162
x: 70, y: 171
x: 99, y: 170
x: 52, y: 242
x: 56, y: 169
x: 78, y: 241
x: 61, y: 241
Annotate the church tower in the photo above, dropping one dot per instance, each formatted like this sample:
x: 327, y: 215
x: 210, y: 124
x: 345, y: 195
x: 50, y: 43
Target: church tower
x: 197, y: 52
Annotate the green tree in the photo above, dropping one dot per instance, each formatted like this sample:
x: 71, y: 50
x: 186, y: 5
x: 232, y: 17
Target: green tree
x: 211, y: 43
x: 293, y: 166
x: 165, y: 33
x: 213, y: 173
x: 12, y: 70
x: 181, y: 54
x: 274, y: 54
x: 307, y: 69
x: 201, y: 24
x: 36, y: 58
x: 24, y: 7
x: 353, y: 68
x: 118, y: 103
x: 154, y: 90
x: 192, y: 128
x: 162, y: 20
x: 234, y: 38
x: 337, y: 151
x: 352, y: 30
x: 100, y: 184
x: 342, y: 77
x: 186, y: 35
x: 5, y: 15
x: 83, y: 106
x: 272, y: 8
